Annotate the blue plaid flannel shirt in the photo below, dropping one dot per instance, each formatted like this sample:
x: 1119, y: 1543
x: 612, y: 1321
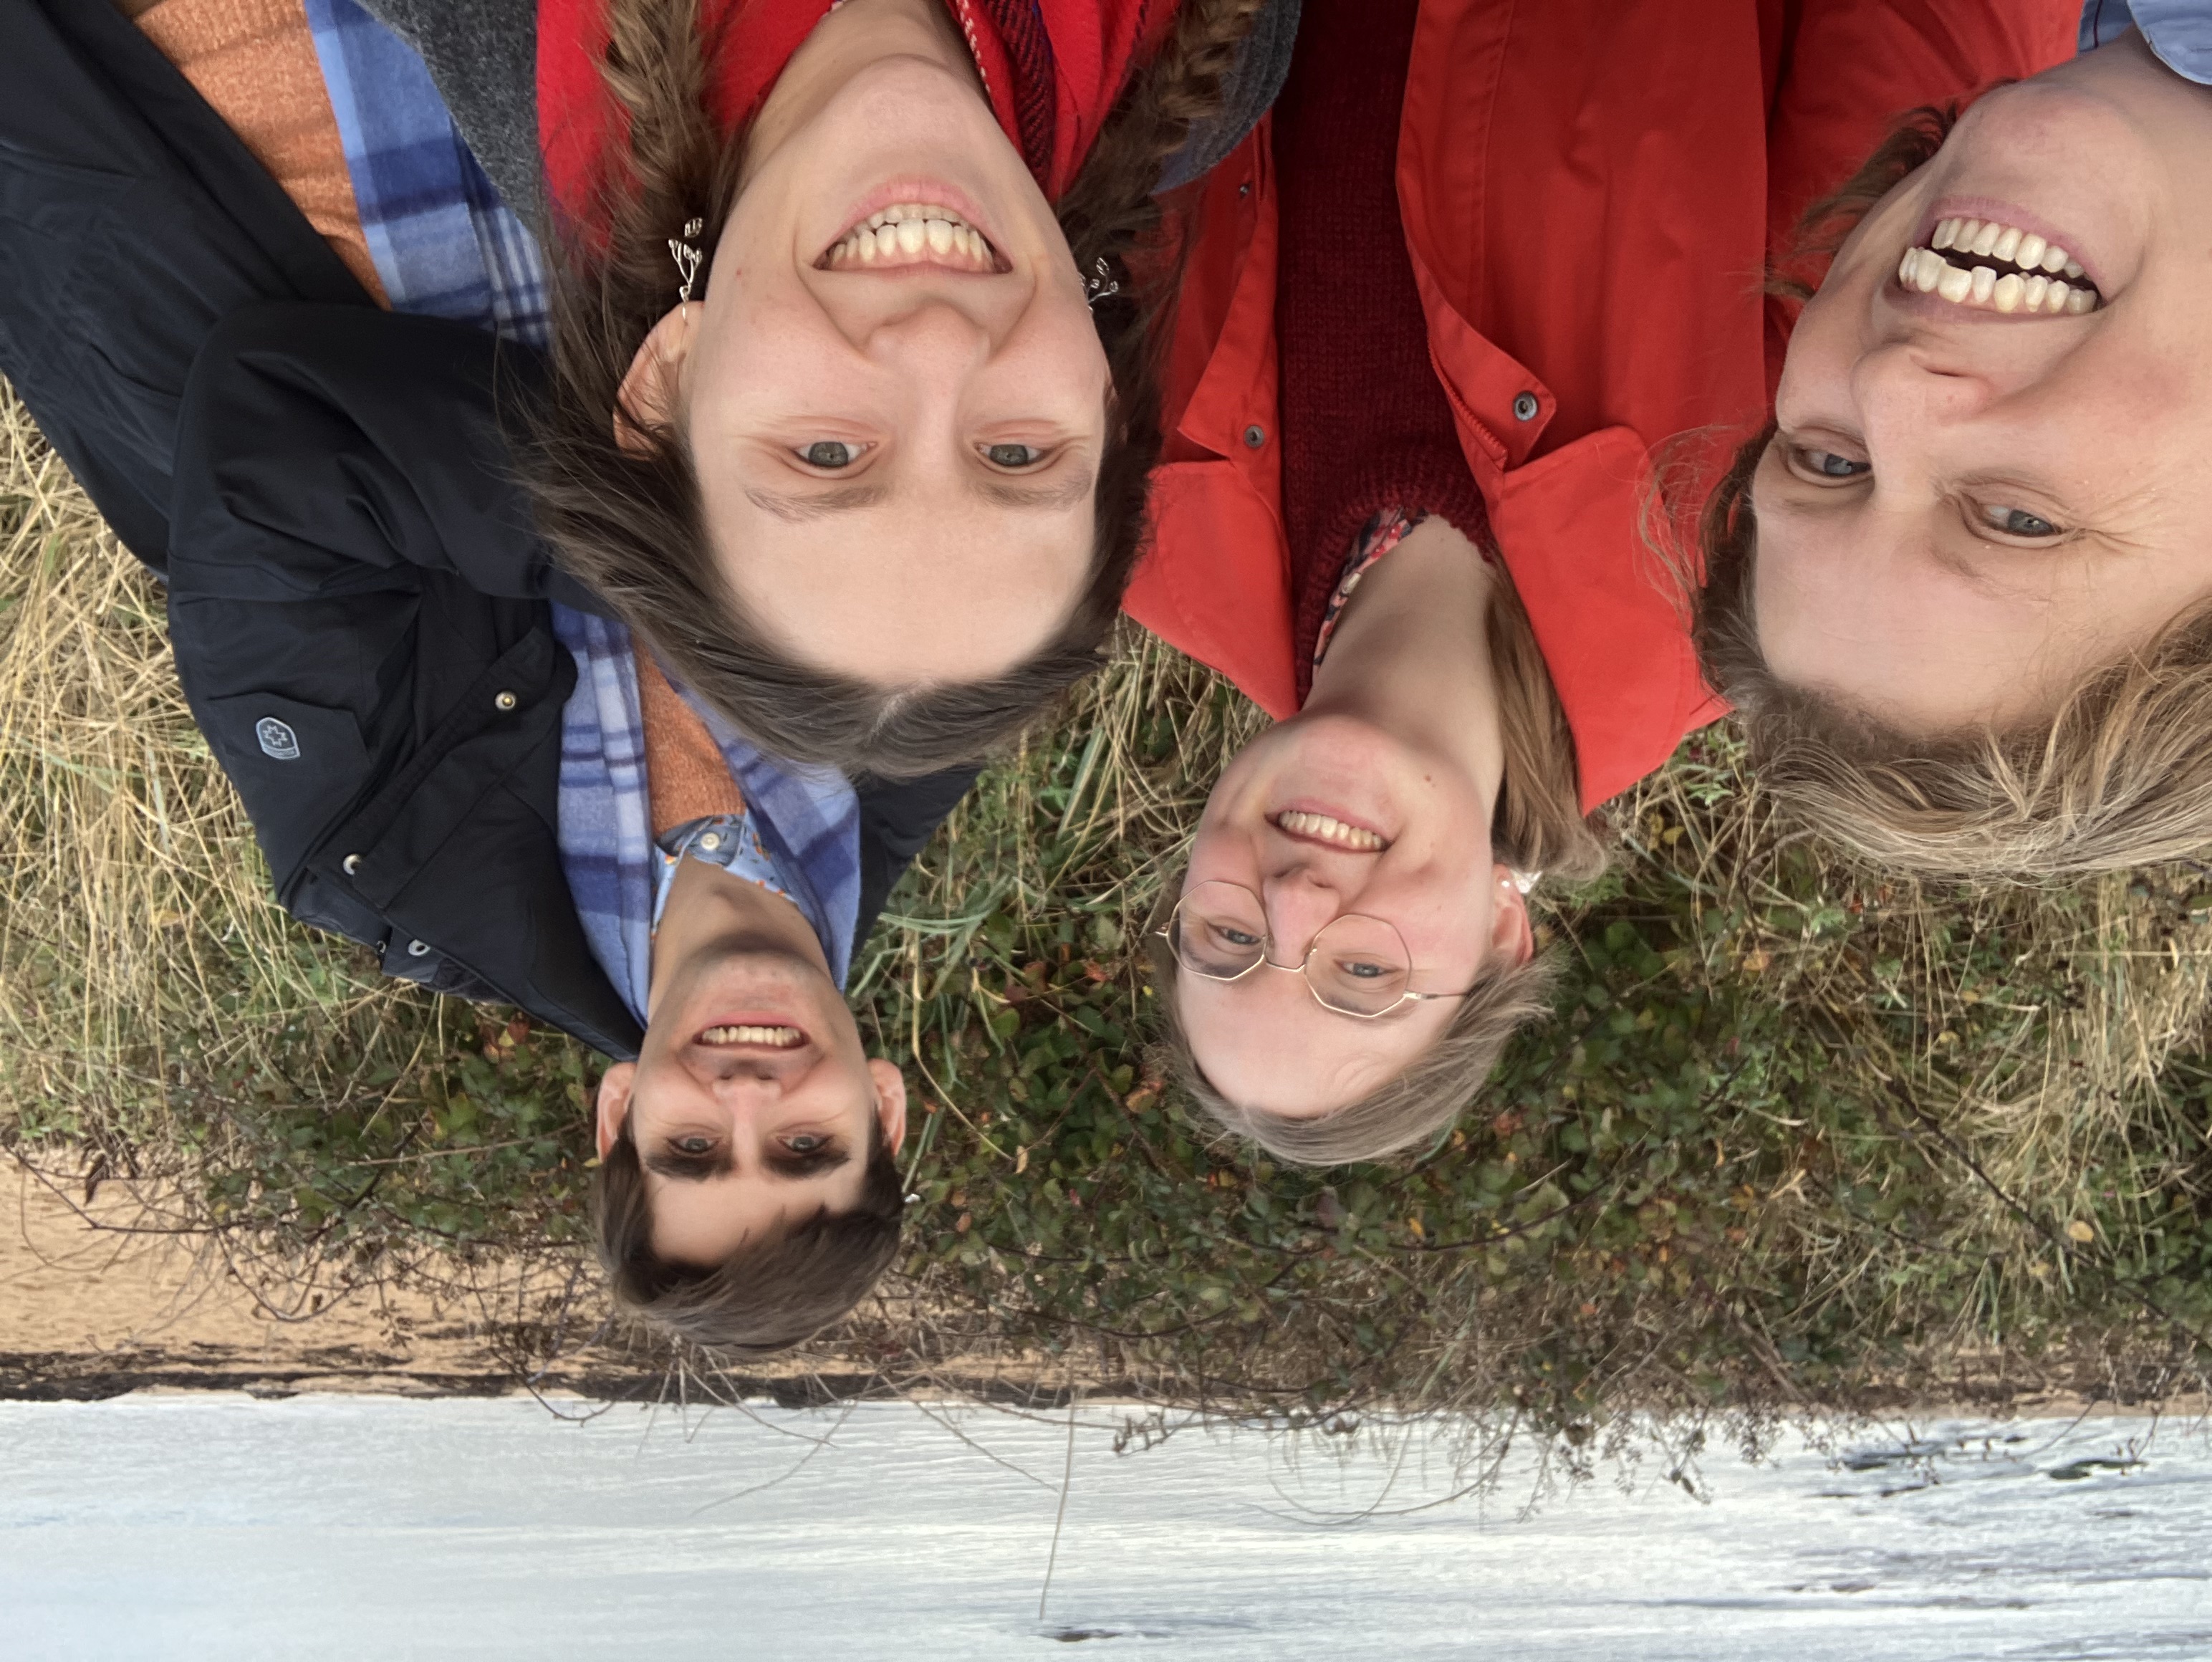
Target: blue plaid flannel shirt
x: 445, y: 244
x: 443, y: 241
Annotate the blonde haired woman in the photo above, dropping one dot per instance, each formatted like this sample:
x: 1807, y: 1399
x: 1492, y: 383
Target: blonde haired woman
x: 1960, y: 589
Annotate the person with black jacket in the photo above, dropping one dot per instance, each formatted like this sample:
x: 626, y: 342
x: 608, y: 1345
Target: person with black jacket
x: 370, y: 633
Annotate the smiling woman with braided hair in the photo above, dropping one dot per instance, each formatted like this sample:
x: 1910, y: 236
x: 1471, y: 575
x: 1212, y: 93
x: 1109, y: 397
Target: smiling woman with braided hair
x: 874, y: 491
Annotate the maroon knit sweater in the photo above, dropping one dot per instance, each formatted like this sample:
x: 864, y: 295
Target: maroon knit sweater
x: 1365, y: 423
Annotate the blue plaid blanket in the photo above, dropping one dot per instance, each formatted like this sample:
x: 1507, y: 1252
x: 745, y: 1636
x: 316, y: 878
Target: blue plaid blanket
x: 445, y: 244
x: 443, y: 241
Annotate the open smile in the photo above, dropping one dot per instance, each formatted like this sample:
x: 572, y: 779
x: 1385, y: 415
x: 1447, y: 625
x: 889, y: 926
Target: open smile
x: 1986, y: 265
x: 1329, y: 831
x: 752, y: 1035
x: 911, y: 234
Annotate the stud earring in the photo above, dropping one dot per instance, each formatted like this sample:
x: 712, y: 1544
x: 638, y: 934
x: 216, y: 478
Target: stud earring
x: 686, y: 254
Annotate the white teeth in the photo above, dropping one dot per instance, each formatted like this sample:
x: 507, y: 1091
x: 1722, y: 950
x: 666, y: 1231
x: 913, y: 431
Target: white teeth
x: 1326, y: 830
x: 908, y: 228
x: 783, y: 1037
x: 2027, y: 289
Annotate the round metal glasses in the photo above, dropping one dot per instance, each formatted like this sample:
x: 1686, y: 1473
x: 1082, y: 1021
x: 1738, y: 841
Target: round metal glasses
x: 1357, y: 966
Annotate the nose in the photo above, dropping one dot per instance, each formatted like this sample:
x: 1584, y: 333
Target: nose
x: 739, y: 1080
x: 1299, y: 904
x: 1906, y: 391
x: 933, y: 333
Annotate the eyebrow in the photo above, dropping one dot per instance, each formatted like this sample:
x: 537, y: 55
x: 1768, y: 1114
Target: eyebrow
x: 818, y: 504
x: 1066, y: 493
x: 800, y: 508
x: 784, y: 1168
x: 689, y: 1168
x: 796, y: 1168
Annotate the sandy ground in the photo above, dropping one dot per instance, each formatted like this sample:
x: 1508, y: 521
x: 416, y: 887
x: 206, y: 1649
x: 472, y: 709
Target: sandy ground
x: 96, y: 1299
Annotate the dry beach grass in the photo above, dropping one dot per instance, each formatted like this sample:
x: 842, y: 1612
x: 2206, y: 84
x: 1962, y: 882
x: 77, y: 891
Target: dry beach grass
x: 1800, y: 1136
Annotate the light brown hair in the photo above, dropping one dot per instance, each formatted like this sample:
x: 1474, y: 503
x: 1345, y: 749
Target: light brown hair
x: 627, y: 521
x: 768, y: 1295
x: 1537, y: 825
x: 2120, y: 775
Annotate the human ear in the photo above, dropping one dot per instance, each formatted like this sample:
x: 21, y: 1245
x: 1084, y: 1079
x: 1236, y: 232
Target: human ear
x: 613, y: 1106
x: 651, y: 389
x: 1512, y: 937
x: 891, y: 1100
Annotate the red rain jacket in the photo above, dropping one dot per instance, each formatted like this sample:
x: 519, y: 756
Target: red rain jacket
x: 1591, y: 189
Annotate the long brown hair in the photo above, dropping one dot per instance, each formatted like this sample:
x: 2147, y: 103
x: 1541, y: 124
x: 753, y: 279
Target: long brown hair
x: 627, y: 519
x: 2120, y: 775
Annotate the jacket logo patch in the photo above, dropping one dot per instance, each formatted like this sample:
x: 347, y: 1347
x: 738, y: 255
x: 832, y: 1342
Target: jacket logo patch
x: 278, y: 740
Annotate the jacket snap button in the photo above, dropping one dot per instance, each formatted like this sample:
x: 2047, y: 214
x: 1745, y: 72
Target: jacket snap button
x: 350, y: 864
x: 1244, y: 191
x: 417, y: 948
x: 505, y: 701
x: 1255, y: 437
x: 1525, y: 407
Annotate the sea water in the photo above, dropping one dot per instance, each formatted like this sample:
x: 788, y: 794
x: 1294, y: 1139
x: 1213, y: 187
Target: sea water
x: 204, y: 1526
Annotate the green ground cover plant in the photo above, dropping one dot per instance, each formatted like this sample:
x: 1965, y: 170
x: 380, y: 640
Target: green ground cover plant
x: 1798, y: 1136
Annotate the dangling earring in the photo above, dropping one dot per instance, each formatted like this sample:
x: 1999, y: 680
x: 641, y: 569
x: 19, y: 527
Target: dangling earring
x: 685, y: 253
x: 1100, y: 284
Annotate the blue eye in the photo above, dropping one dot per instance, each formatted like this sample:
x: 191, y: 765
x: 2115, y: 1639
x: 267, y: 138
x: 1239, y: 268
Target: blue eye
x: 1012, y: 456
x: 2017, y: 522
x: 830, y: 452
x: 1830, y: 466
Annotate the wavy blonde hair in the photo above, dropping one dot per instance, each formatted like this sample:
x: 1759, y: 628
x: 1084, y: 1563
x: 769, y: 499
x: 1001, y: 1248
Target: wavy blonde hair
x: 2119, y: 774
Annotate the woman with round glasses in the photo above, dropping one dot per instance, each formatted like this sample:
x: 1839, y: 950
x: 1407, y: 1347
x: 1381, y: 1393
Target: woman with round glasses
x: 1421, y: 366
